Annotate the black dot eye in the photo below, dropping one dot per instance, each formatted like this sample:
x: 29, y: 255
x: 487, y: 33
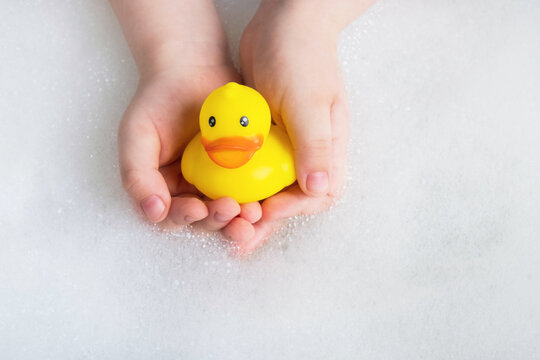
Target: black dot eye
x: 212, y: 121
x: 244, y: 121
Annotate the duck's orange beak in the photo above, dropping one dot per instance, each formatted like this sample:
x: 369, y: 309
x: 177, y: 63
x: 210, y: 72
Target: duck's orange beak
x: 232, y: 152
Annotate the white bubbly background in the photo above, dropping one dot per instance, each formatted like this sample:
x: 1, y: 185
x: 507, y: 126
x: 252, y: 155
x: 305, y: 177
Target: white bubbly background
x: 434, y: 252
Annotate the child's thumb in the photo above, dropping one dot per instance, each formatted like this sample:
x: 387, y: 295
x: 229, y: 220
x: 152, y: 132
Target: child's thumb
x: 311, y: 135
x: 146, y: 187
x: 139, y: 148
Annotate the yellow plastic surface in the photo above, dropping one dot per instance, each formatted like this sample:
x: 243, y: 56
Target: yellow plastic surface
x: 269, y: 169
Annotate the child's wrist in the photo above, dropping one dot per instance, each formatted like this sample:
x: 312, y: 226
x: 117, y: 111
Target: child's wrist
x: 161, y: 57
x: 170, y: 33
x: 327, y: 16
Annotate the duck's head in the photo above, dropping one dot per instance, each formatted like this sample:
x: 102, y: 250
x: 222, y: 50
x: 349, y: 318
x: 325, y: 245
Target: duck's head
x: 235, y: 120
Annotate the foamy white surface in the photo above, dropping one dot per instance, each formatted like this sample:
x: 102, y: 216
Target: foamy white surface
x: 433, y: 254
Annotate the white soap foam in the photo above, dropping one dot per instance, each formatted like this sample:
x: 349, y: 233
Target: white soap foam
x: 433, y: 252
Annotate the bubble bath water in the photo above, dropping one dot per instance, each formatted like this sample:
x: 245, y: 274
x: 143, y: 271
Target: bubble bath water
x: 431, y: 254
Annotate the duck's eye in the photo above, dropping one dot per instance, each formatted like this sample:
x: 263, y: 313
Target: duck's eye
x: 212, y: 121
x: 244, y: 121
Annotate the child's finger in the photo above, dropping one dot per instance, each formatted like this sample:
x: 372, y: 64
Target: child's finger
x: 139, y: 148
x: 307, y: 119
x: 220, y: 213
x: 239, y: 230
x: 252, y: 211
x: 292, y: 202
x: 186, y: 210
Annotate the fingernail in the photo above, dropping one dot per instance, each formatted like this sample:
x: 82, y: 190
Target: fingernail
x: 221, y: 218
x: 189, y: 219
x: 317, y: 182
x: 153, y: 207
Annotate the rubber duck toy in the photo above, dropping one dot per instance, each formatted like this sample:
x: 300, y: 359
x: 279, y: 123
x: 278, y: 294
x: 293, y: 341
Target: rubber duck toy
x: 238, y: 152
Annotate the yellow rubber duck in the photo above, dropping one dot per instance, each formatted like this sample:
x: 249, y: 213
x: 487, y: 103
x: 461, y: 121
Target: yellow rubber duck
x: 238, y: 152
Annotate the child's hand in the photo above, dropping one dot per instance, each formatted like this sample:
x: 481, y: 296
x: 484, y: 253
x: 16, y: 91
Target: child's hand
x: 181, y: 52
x: 160, y: 121
x: 289, y: 54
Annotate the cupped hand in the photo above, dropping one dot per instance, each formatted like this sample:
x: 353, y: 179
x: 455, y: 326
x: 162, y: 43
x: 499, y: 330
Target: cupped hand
x: 160, y: 121
x: 292, y: 61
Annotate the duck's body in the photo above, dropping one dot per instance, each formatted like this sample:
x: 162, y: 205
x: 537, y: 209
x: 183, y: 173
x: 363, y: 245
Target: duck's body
x: 238, y: 153
x: 268, y: 171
